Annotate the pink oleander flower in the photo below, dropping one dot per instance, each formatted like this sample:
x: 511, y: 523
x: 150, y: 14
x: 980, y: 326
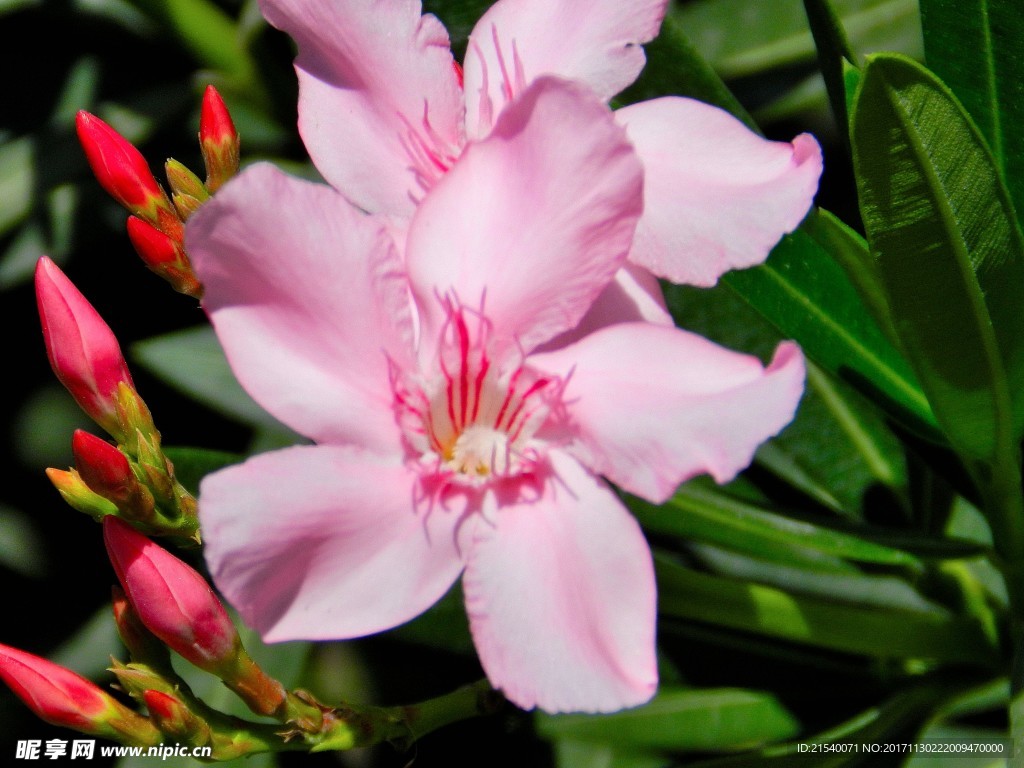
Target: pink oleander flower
x: 716, y: 195
x: 458, y: 428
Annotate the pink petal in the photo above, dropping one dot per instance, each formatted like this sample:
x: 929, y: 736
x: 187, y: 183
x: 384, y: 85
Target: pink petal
x: 595, y: 42
x: 308, y: 298
x: 375, y: 79
x: 716, y: 195
x: 654, y: 406
x: 322, y: 542
x: 534, y: 221
x: 561, y: 598
x: 633, y: 295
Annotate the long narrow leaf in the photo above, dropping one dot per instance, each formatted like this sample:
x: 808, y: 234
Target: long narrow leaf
x: 975, y: 47
x: 820, y: 622
x: 946, y: 243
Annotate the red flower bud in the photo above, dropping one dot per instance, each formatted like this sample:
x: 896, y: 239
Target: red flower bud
x: 103, y: 468
x: 175, y: 719
x: 107, y: 472
x: 218, y: 139
x: 62, y: 697
x: 82, y: 349
x: 164, y: 256
x: 124, y: 173
x: 177, y: 605
x: 171, y: 598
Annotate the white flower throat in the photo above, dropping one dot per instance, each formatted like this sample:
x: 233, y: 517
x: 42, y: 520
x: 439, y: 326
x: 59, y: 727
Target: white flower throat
x: 476, y: 417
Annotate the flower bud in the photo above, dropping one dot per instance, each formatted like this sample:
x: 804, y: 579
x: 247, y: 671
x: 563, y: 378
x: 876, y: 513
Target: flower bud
x: 83, y: 351
x: 218, y: 139
x: 138, y: 677
x: 124, y: 173
x: 174, y: 719
x: 164, y: 256
x: 80, y: 496
x: 108, y: 472
x: 171, y: 598
x: 187, y: 191
x: 62, y: 697
x: 178, y: 606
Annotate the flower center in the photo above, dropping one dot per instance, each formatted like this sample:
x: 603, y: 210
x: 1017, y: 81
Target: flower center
x: 475, y: 418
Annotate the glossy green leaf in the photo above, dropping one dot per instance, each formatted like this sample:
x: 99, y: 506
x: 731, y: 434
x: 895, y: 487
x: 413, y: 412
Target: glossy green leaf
x: 193, y: 362
x: 975, y: 47
x: 842, y: 583
x: 805, y: 290
x: 946, y: 243
x: 700, y: 511
x: 896, y: 720
x: 820, y: 622
x: 742, y: 38
x: 837, y: 446
x: 683, y: 720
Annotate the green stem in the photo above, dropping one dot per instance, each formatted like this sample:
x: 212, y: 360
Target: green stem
x: 349, y: 727
x: 469, y: 701
x: 1004, y: 502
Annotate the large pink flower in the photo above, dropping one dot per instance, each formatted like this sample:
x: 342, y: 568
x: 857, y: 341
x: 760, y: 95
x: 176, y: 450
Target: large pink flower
x: 384, y: 114
x: 455, y: 431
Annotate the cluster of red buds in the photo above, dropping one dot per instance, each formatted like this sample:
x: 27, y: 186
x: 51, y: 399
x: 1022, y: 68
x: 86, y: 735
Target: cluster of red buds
x: 163, y: 603
x: 133, y: 479
x: 156, y: 224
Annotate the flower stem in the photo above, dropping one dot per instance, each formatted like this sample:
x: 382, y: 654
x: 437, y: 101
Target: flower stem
x: 469, y: 701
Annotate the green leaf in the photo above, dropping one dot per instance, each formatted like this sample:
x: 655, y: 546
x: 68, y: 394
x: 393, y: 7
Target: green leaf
x: 699, y: 511
x: 683, y: 720
x: 838, y: 446
x: 192, y: 361
x: 805, y: 290
x: 742, y: 38
x: 947, y: 247
x: 820, y: 622
x: 894, y: 721
x: 974, y: 46
x: 17, y: 181
x: 21, y: 547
